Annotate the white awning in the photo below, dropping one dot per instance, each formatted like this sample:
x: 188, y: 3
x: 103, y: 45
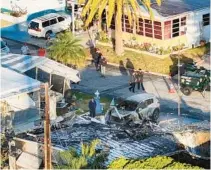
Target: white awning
x: 20, y: 102
x: 54, y: 67
x: 13, y: 83
x: 23, y: 63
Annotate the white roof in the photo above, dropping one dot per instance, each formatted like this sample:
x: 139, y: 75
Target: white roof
x: 54, y: 67
x: 140, y: 97
x: 23, y: 63
x: 13, y: 83
x: 46, y: 17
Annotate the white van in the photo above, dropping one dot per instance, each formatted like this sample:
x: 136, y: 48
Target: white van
x: 46, y: 25
x: 4, y: 48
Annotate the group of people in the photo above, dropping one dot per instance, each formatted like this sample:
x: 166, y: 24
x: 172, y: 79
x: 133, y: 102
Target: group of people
x: 100, y: 62
x: 136, y: 78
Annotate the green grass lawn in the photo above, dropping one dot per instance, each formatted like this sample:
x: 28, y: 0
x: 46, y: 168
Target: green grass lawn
x: 158, y: 162
x: 151, y: 63
x: 82, y: 101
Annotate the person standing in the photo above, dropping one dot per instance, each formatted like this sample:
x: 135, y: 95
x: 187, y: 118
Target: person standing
x: 92, y: 107
x: 97, y: 58
x: 140, y: 79
x: 103, y: 63
x: 132, y: 82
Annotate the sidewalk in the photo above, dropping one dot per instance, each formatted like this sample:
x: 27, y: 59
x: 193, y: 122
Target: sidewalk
x: 115, y: 84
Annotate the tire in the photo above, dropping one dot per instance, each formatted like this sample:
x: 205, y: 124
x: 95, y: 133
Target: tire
x: 155, y: 115
x: 187, y: 91
x: 47, y: 34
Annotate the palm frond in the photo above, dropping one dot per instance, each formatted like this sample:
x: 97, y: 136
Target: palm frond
x: 101, y: 8
x: 86, y: 8
x: 93, y: 11
x: 111, y: 8
x: 159, y: 2
x: 119, y: 11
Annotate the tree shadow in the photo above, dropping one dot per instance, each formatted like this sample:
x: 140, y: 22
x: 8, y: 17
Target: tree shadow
x: 122, y: 68
x: 129, y: 66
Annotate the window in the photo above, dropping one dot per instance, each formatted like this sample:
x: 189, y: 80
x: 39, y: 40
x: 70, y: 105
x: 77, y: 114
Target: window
x: 128, y: 27
x: 60, y: 19
x: 45, y: 24
x: 148, y: 28
x: 2, y: 45
x: 57, y: 82
x: 183, y: 21
x: 142, y: 105
x: 127, y: 105
x: 34, y: 25
x: 167, y: 30
x: 206, y: 19
x: 157, y: 30
x: 175, y: 28
x: 140, y: 27
x: 53, y: 21
x: 149, y: 101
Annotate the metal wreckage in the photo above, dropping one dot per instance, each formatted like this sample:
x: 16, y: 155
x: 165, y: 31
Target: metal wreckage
x: 123, y: 139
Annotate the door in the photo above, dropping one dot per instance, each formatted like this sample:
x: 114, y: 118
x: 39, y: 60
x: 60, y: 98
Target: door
x: 63, y: 24
x: 54, y: 25
x: 142, y: 110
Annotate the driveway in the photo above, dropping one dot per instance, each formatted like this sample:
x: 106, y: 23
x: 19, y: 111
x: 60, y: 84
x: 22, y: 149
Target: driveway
x: 115, y: 84
x: 18, y: 32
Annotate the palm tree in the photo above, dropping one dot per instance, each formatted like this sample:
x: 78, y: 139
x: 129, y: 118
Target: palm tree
x: 67, y: 49
x: 115, y: 8
x: 88, y: 158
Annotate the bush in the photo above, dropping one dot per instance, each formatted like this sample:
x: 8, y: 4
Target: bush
x: 103, y: 37
x: 158, y: 162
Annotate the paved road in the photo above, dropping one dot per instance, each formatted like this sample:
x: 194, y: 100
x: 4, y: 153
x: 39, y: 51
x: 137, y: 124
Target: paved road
x: 15, y: 47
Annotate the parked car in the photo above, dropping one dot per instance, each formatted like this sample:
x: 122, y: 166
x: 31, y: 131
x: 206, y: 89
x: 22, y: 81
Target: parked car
x: 135, y: 108
x: 4, y: 48
x: 46, y: 25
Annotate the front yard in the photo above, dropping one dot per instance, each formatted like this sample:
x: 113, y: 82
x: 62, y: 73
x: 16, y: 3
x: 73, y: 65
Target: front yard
x: 152, y: 63
x: 82, y: 101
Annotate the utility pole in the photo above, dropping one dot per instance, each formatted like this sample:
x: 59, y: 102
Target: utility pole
x: 73, y: 16
x: 47, y: 131
x: 179, y: 93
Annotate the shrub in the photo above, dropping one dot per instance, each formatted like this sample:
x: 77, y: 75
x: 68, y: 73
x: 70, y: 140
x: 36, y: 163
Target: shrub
x: 158, y: 162
x: 147, y: 46
x: 103, y: 36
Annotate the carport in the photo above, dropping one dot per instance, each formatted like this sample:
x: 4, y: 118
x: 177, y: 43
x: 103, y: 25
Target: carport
x: 43, y: 69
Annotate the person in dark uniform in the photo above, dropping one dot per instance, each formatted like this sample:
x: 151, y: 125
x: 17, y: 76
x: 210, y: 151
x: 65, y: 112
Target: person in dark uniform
x: 92, y: 107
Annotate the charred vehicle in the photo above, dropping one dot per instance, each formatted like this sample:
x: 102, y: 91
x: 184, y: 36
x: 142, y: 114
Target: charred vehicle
x: 136, y: 108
